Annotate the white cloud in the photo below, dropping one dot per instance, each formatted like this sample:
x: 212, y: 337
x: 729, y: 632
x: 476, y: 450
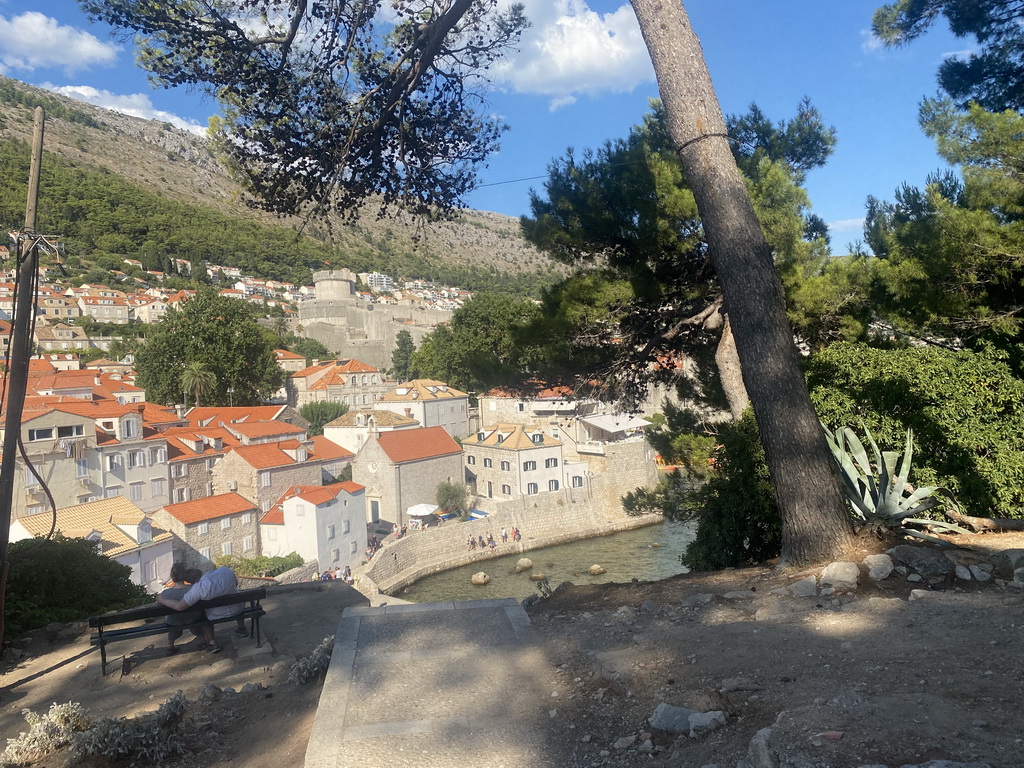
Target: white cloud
x: 870, y: 43
x: 962, y: 55
x: 845, y: 225
x: 32, y: 40
x: 571, y: 50
x: 134, y: 104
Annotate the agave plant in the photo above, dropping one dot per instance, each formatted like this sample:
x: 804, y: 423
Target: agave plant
x: 878, y: 492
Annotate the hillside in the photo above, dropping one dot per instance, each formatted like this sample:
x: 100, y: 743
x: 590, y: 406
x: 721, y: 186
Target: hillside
x: 177, y: 166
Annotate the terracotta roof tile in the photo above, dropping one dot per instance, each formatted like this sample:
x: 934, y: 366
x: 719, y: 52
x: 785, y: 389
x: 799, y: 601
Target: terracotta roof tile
x: 209, y: 508
x: 264, y: 456
x: 416, y: 444
x: 326, y: 450
x: 103, y: 515
x: 511, y: 437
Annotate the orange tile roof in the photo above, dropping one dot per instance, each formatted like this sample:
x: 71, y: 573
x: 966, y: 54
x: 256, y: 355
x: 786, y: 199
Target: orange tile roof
x: 326, y: 449
x: 274, y: 517
x: 416, y: 444
x: 210, y: 508
x: 235, y: 415
x: 265, y: 428
x: 422, y: 389
x: 511, y: 437
x: 284, y: 354
x: 346, y: 366
x: 103, y: 515
x: 263, y: 456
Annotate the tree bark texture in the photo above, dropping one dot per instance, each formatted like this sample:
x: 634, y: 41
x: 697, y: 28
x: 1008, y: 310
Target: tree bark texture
x: 730, y: 372
x: 815, y: 523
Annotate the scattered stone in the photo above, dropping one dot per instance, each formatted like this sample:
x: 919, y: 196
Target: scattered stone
x: 603, y: 753
x: 529, y: 601
x: 760, y: 752
x: 595, y: 570
x: 739, y: 594
x: 480, y: 578
x: 249, y: 687
x: 564, y: 585
x: 702, y: 722
x: 537, y: 577
x: 648, y: 606
x: 552, y: 713
x: 733, y: 684
x: 672, y: 719
x: 807, y: 587
x: 962, y: 572
x: 947, y: 764
x: 981, y: 572
x: 842, y: 576
x: 210, y: 692
x: 12, y: 655
x: 915, y: 578
x: 879, y: 567
x: 585, y: 738
x: 524, y: 564
x: 927, y: 562
x: 920, y: 594
x: 820, y: 738
x: 695, y: 601
x: 624, y: 742
x: 1018, y: 575
x: 1014, y: 558
x: 773, y: 610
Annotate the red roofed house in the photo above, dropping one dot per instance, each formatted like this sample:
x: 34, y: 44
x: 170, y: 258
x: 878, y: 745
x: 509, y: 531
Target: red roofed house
x: 208, y: 528
x: 356, y: 384
x: 264, y: 472
x: 326, y: 523
x: 290, y: 362
x: 431, y: 403
x: 403, y: 468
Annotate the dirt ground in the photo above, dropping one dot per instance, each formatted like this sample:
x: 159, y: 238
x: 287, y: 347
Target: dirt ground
x: 866, y: 678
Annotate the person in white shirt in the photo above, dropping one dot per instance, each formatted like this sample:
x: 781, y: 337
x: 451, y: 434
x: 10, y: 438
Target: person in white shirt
x: 220, y: 581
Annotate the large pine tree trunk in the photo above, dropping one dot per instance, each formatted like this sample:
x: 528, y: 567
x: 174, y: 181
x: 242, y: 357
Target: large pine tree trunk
x: 815, y: 524
x: 730, y: 372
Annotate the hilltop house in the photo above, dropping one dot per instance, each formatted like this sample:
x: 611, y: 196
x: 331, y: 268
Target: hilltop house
x: 403, y: 468
x: 431, y: 403
x: 351, y: 429
x: 324, y: 523
x: 207, y: 528
x: 351, y: 382
x: 120, y: 531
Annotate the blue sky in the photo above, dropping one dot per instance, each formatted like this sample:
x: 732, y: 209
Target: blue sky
x: 583, y: 77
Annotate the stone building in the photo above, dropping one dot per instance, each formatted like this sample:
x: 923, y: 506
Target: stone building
x: 431, y: 403
x: 509, y: 460
x: 351, y: 382
x: 351, y: 430
x: 207, y: 528
x: 403, y: 468
x: 263, y: 473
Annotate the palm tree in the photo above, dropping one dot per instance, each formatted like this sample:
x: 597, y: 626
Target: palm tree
x: 281, y: 326
x: 197, y: 380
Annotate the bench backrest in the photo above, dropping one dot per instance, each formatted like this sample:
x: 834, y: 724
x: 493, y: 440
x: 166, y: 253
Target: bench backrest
x: 153, y: 611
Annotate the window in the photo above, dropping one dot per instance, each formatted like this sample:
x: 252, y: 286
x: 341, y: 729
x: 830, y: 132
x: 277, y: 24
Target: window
x: 521, y: 407
x: 209, y: 489
x: 76, y: 430
x: 471, y: 459
x: 114, y: 462
x: 506, y: 490
x: 265, y: 505
x: 549, y: 463
x: 577, y: 481
x: 531, y: 488
x: 271, y: 533
x: 538, y: 438
x: 35, y: 509
x: 265, y: 479
x: 529, y: 466
x: 205, y: 553
x: 247, y: 518
x: 181, y: 495
x: 346, y: 526
x: 488, y: 463
x: 330, y: 532
x: 225, y: 523
x: 552, y: 485
x: 225, y: 548
x: 129, y: 428
x: 249, y: 543
x: 136, y: 459
x: 40, y: 434
x: 352, y: 548
x: 364, y: 378
x: 157, y: 486
x: 300, y: 510
x: 110, y: 493
x: 204, y: 528
x: 81, y: 467
x: 135, y: 491
x: 179, y: 470
x: 157, y: 455
x: 335, y: 555
x: 505, y: 466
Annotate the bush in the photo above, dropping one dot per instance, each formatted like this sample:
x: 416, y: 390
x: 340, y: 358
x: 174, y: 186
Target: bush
x: 64, y: 580
x: 320, y: 414
x: 314, y: 666
x: 966, y: 410
x: 46, y: 733
x: 737, y: 518
x: 259, y: 566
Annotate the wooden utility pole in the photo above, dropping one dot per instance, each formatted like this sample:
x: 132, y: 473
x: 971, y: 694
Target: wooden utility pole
x: 21, y: 351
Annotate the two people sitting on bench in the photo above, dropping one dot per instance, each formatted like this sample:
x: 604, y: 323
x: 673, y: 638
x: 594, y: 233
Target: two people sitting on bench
x: 220, y: 581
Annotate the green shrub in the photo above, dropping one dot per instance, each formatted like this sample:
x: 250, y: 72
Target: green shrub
x: 737, y: 518
x: 966, y: 410
x: 46, y: 733
x: 259, y: 566
x: 313, y: 666
x: 64, y: 580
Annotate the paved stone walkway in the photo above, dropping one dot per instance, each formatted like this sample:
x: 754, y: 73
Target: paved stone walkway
x: 437, y: 685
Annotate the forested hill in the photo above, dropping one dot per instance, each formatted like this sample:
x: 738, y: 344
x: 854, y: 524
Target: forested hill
x: 118, y: 186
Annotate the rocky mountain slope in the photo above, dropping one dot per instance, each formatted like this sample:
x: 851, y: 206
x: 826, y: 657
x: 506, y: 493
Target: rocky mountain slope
x: 181, y: 166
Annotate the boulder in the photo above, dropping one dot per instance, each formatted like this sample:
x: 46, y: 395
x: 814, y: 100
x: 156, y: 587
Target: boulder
x: 927, y: 562
x: 843, y: 576
x: 480, y: 579
x: 672, y: 719
x: 695, y: 601
x: 537, y: 577
x: 760, y: 752
x: 807, y: 587
x: 702, y: 722
x: 595, y: 570
x: 524, y: 564
x: 879, y: 567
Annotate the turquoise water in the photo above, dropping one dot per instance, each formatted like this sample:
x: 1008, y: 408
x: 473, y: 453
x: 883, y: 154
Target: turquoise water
x: 646, y: 554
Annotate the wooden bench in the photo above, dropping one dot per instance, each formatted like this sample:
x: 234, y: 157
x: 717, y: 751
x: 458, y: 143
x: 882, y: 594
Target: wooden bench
x: 108, y: 627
